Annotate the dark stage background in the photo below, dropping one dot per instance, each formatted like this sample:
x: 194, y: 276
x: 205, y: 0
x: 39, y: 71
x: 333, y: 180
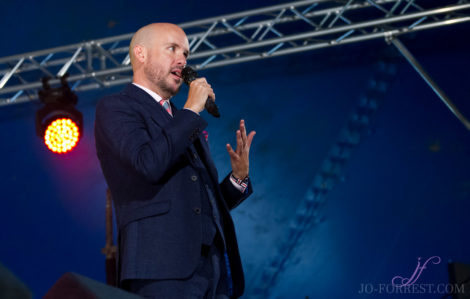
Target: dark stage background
x: 404, y: 192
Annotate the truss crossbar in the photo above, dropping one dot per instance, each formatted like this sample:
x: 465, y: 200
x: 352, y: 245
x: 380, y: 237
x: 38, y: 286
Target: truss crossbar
x: 246, y: 36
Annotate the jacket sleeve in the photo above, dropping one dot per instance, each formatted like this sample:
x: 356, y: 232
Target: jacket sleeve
x: 122, y: 130
x: 232, y: 196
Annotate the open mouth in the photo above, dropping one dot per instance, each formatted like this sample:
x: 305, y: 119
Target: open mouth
x: 176, y: 72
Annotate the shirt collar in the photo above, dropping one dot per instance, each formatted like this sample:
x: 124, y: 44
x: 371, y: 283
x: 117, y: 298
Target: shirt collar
x: 151, y: 93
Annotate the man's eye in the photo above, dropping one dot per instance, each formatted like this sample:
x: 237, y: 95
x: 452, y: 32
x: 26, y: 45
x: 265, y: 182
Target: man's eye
x: 171, y: 48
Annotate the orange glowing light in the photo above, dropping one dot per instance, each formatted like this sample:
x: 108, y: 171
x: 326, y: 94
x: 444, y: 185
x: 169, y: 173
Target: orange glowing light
x: 61, y: 135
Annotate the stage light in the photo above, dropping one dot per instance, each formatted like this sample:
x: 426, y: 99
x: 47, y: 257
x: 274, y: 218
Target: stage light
x: 62, y: 135
x: 58, y: 122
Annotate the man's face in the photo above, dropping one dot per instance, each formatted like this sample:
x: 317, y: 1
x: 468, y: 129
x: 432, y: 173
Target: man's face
x: 166, y: 58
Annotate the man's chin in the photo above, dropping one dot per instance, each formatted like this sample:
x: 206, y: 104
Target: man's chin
x: 176, y: 88
x: 172, y: 90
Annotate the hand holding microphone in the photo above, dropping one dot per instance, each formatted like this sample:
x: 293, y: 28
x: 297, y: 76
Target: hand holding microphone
x: 200, y: 94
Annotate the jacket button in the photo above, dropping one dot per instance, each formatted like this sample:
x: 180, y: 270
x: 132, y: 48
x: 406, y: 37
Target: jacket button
x: 197, y: 210
x: 193, y: 178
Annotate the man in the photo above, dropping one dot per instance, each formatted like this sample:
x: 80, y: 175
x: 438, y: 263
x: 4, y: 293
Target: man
x: 176, y: 236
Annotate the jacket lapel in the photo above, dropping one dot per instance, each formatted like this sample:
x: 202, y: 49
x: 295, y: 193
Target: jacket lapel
x: 160, y: 116
x: 157, y: 113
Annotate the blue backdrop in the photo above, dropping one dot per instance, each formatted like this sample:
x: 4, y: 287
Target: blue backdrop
x: 403, y: 193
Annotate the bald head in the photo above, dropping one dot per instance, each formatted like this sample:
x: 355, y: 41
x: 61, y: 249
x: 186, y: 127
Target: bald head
x: 158, y: 53
x: 148, y: 35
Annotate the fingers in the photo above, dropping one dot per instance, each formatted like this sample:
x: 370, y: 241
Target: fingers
x: 230, y: 151
x: 202, y: 83
x: 200, y: 79
x: 243, y: 131
x: 211, y: 94
x: 240, y: 157
x: 243, y: 141
x: 250, y: 139
x: 199, y: 91
x: 240, y: 143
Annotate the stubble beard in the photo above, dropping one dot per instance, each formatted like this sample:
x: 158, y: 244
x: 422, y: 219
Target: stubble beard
x: 155, y: 75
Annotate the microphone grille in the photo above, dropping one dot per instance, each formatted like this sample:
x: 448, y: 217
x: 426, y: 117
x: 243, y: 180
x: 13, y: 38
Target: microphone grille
x: 188, y: 74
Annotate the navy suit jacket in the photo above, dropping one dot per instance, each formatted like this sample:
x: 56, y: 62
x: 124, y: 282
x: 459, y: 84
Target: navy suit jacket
x: 157, y: 192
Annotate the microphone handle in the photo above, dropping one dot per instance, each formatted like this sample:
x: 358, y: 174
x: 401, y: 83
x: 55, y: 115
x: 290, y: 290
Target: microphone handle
x: 212, y: 108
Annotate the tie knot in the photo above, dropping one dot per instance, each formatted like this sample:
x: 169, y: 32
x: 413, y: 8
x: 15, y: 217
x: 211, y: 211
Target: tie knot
x: 166, y: 104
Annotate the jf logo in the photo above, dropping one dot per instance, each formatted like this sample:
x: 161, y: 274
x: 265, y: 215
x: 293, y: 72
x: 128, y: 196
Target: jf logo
x: 399, y: 281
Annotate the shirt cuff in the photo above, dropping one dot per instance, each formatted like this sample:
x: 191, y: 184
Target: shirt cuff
x: 240, y: 185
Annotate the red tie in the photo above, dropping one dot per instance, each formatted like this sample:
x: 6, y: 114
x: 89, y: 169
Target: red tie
x: 166, y: 104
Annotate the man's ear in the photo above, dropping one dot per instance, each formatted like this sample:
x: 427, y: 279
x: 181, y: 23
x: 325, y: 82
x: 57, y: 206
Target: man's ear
x: 140, y: 53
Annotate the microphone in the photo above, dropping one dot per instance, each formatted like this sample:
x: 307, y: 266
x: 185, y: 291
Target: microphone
x: 189, y: 75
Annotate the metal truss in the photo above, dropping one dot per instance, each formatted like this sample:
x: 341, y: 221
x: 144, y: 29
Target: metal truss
x: 246, y: 36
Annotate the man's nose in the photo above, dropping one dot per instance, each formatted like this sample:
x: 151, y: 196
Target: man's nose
x: 181, y: 60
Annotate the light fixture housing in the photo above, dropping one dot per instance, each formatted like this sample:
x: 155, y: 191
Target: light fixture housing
x: 58, y: 123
